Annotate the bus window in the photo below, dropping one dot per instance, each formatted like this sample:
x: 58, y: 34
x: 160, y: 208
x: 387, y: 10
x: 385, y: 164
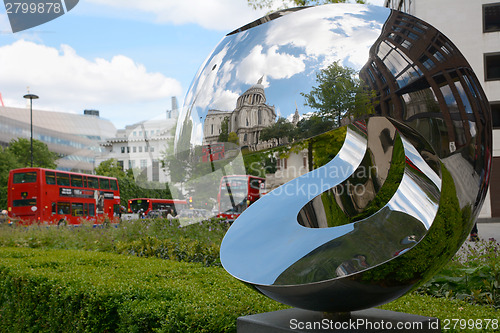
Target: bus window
x: 63, y: 179
x: 93, y: 182
x: 54, y: 208
x: 24, y: 203
x: 84, y: 181
x: 63, y: 207
x: 104, y: 184
x: 92, y: 209
x: 255, y: 183
x: 76, y: 209
x: 50, y: 178
x: 76, y: 181
x: 25, y: 177
x: 114, y: 185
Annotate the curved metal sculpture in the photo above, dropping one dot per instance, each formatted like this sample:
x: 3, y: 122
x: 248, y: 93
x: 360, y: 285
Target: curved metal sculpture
x: 377, y: 211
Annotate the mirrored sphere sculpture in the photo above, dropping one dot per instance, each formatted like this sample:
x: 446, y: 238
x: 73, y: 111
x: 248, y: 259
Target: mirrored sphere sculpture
x: 366, y: 138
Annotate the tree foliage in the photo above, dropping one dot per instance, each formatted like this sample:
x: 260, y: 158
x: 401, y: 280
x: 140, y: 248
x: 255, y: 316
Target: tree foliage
x: 129, y: 186
x: 233, y: 138
x: 42, y: 157
x: 281, y: 129
x: 339, y: 93
x: 313, y: 125
x: 224, y: 131
x: 110, y: 168
x: 18, y: 155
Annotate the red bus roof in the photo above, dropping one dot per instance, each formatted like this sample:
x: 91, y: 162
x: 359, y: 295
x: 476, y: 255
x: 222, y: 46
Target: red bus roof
x: 60, y: 171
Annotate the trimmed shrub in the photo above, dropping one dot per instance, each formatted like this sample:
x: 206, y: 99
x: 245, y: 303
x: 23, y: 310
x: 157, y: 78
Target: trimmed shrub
x: 84, y: 291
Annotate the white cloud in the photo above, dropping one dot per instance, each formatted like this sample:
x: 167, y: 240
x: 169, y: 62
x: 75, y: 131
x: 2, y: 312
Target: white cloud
x: 210, y: 14
x: 272, y: 64
x: 346, y: 37
x: 66, y: 81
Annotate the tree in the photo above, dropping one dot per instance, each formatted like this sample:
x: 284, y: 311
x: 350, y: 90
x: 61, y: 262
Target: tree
x: 110, y: 168
x: 281, y: 129
x: 42, y: 157
x: 18, y: 155
x: 129, y: 187
x: 260, y: 4
x: 313, y: 125
x: 233, y: 138
x: 224, y: 130
x: 339, y: 93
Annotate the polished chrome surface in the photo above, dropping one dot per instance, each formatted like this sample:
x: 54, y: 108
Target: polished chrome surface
x: 360, y: 204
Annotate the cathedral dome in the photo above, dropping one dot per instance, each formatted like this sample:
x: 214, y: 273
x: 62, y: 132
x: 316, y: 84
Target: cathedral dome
x: 253, y: 96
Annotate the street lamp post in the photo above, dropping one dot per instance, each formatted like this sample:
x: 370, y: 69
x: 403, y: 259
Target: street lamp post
x: 31, y: 98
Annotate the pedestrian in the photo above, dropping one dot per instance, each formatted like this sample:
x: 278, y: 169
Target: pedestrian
x: 473, y: 234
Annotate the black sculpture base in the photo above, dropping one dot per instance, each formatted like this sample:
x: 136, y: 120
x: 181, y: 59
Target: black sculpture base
x: 371, y: 320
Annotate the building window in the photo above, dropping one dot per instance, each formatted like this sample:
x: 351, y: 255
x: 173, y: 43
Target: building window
x: 156, y: 171
x: 128, y: 150
x: 120, y: 164
x: 495, y: 114
x: 123, y: 150
x: 144, y: 164
x: 145, y: 149
x: 134, y: 149
x: 492, y: 66
x: 140, y: 149
x: 491, y: 17
x: 152, y: 149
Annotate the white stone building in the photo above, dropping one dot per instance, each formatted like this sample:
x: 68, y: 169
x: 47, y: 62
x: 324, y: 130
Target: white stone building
x: 247, y: 120
x: 142, y: 146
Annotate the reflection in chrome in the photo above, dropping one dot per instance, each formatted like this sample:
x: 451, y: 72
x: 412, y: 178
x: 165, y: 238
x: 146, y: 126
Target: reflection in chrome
x: 359, y: 200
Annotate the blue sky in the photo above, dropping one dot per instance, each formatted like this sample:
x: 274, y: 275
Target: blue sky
x: 125, y: 58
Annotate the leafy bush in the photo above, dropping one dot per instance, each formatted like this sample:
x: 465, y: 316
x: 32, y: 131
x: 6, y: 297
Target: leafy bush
x: 473, y: 275
x: 197, y: 242
x: 84, y: 291
x: 181, y: 249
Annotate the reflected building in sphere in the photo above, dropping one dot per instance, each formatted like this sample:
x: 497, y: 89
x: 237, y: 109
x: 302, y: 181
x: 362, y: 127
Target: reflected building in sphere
x: 474, y: 27
x: 250, y: 116
x: 423, y: 80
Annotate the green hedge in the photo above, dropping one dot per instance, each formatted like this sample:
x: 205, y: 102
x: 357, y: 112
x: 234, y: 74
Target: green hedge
x: 87, y: 291
x: 83, y: 291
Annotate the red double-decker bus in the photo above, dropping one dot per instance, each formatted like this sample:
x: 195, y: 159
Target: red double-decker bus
x: 146, y: 205
x: 37, y: 195
x: 236, y: 193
